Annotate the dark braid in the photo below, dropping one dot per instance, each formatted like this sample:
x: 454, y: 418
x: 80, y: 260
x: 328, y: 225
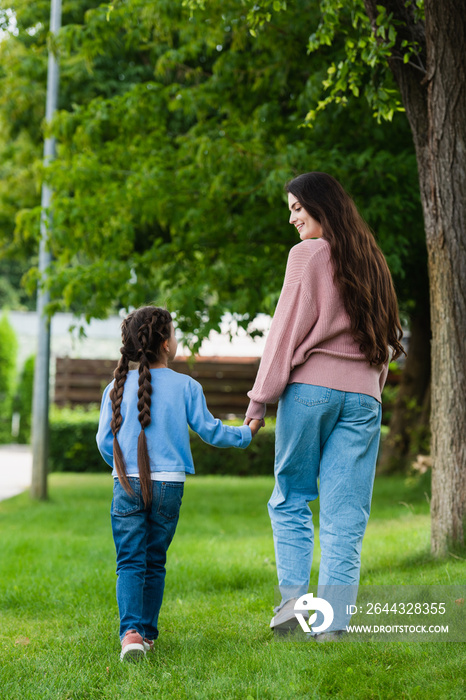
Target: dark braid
x: 144, y: 401
x: 116, y: 397
x: 143, y: 333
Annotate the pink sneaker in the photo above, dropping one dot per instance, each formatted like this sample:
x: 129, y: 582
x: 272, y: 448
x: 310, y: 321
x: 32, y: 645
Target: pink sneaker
x: 132, y: 646
x: 148, y: 644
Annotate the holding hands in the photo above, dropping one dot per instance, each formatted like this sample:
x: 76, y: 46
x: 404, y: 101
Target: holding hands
x: 254, y: 424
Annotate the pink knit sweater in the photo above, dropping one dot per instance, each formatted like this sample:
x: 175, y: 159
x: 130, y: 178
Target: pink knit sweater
x: 310, y: 341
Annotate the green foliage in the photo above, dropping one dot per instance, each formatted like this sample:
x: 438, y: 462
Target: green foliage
x: 389, y: 394
x: 255, y: 460
x: 8, y: 350
x: 72, y: 442
x: 176, y: 133
x: 12, y: 294
x: 73, y: 448
x: 363, y: 50
x: 8, y: 295
x: 22, y: 402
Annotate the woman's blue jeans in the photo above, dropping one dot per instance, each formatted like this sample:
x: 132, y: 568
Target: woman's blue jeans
x: 142, y: 538
x: 330, y: 437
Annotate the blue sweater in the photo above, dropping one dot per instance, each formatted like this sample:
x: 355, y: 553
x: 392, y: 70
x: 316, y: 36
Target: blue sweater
x: 177, y: 402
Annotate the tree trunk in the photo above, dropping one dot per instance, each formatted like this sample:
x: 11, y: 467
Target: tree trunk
x: 436, y: 109
x: 409, y: 426
x: 443, y: 193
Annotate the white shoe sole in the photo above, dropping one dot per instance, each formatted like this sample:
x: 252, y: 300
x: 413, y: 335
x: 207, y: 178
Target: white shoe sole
x: 133, y: 652
x: 287, y: 624
x: 284, y: 625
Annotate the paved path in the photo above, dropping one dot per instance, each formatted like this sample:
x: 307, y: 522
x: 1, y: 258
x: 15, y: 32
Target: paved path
x: 15, y: 470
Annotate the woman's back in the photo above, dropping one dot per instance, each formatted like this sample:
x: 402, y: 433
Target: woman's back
x: 311, y: 339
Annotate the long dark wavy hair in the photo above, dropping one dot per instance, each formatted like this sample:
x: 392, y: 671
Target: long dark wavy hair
x: 360, y: 269
x: 142, y: 332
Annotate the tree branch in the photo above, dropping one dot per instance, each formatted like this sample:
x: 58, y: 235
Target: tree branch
x: 413, y: 90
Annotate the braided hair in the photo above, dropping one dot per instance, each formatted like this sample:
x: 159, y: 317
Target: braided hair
x: 142, y: 332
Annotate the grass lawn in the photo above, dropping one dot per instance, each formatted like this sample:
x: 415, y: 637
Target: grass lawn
x: 59, y: 620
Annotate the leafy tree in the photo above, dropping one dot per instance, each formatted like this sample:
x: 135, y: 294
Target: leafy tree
x: 176, y: 133
x: 23, y: 71
x: 173, y: 181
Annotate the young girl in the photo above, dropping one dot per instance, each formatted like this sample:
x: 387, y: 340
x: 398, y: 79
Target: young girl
x: 143, y: 435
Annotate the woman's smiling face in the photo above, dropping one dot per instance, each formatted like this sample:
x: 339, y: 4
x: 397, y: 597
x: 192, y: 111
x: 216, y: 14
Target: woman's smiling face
x: 306, y: 225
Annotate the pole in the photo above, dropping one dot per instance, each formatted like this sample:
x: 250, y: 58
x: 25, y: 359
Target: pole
x: 40, y: 405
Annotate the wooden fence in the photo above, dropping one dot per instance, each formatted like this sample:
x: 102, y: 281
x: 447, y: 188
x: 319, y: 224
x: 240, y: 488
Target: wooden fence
x: 225, y: 380
x: 81, y: 381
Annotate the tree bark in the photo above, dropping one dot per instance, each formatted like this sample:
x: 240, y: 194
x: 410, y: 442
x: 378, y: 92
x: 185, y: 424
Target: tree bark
x: 444, y: 197
x: 436, y: 109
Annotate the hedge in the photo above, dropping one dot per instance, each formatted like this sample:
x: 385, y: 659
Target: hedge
x: 8, y: 350
x: 73, y: 447
x: 257, y: 459
x: 22, y: 402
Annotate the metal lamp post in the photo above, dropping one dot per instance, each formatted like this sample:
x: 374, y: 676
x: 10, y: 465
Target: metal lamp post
x: 40, y: 405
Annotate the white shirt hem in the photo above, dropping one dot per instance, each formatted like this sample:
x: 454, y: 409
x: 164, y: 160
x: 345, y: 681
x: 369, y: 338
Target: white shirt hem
x: 162, y: 476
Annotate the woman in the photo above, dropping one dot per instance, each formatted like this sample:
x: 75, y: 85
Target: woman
x: 326, y: 360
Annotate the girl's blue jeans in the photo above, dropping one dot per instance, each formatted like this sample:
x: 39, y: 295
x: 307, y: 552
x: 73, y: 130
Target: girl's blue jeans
x: 326, y: 445
x: 142, y: 538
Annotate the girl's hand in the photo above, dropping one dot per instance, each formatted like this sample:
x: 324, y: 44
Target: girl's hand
x: 255, y: 425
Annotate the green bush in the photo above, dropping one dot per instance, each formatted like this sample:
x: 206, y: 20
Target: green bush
x: 8, y: 350
x: 255, y: 460
x: 72, y: 445
x: 73, y: 448
x: 22, y: 403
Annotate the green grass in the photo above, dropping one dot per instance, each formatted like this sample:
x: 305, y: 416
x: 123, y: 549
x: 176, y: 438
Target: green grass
x: 59, y: 620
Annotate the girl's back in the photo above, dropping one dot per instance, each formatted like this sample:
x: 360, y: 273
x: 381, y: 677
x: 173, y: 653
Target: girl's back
x: 177, y: 403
